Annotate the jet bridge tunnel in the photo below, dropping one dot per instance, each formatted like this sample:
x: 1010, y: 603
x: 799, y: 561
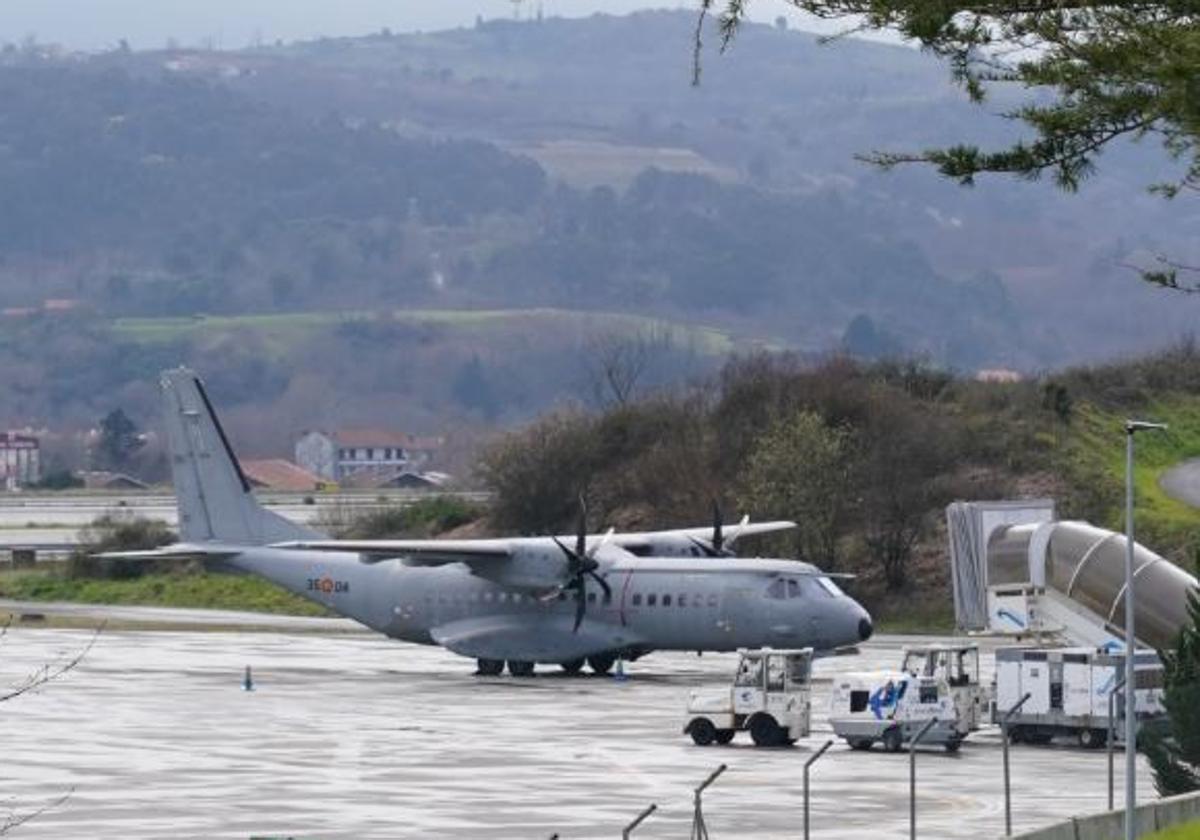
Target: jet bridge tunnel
x: 1014, y: 564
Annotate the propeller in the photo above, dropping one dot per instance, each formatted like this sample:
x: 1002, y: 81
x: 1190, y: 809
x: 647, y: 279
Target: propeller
x: 715, y: 547
x: 581, y: 564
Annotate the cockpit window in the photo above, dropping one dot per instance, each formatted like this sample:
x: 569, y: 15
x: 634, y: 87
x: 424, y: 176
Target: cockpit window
x: 793, y: 588
x: 777, y: 589
x: 829, y: 586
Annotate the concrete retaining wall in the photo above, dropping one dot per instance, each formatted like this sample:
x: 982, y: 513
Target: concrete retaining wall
x: 1110, y: 825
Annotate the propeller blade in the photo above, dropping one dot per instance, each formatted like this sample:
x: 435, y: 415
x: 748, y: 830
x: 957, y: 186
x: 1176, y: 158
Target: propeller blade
x: 737, y: 532
x: 718, y: 538
x: 581, y: 528
x: 603, y: 541
x: 603, y: 584
x: 580, y: 604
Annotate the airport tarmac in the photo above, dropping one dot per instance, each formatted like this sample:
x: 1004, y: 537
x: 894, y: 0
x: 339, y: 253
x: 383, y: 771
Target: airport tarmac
x: 356, y: 736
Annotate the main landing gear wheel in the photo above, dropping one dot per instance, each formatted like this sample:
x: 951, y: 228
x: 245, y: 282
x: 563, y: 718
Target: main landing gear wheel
x: 893, y: 739
x: 572, y: 666
x: 489, y: 667
x: 601, y: 663
x: 520, y: 668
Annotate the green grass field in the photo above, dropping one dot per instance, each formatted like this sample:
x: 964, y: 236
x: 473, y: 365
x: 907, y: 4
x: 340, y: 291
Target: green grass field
x: 1099, y: 436
x: 1187, y: 831
x: 202, y: 591
x: 281, y: 330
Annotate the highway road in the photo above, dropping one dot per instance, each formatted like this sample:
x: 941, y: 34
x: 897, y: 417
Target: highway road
x: 355, y: 736
x: 1182, y: 482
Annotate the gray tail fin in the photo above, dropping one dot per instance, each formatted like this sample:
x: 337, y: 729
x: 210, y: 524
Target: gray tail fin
x: 214, y: 497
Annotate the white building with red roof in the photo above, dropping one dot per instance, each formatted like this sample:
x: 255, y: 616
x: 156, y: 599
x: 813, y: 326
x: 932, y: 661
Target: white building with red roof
x: 338, y: 455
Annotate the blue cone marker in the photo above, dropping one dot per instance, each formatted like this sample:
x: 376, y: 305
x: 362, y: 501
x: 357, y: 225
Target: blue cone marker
x: 247, y: 681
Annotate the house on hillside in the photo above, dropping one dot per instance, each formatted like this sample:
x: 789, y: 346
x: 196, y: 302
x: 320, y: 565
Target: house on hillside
x: 335, y: 456
x: 20, y: 460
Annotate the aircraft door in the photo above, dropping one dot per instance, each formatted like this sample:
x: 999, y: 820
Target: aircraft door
x: 737, y: 617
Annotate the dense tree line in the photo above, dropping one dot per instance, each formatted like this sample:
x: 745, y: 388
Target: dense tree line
x: 148, y: 192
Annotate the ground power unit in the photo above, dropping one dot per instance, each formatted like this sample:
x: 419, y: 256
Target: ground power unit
x: 1069, y: 691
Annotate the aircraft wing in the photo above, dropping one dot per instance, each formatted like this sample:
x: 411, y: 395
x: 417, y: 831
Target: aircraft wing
x: 636, y: 540
x: 420, y: 552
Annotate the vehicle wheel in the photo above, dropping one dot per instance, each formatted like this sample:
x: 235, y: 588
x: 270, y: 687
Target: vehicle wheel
x: 765, y: 732
x: 601, y: 663
x: 702, y: 731
x: 1016, y: 734
x: 724, y: 736
x: 520, y: 668
x: 1039, y: 737
x: 1092, y: 738
x: 860, y: 743
x: 489, y: 667
x: 572, y: 667
x: 953, y: 745
x: 893, y: 739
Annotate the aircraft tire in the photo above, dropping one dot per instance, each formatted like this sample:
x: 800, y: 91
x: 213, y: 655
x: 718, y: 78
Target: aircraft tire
x: 893, y: 739
x: 489, y: 667
x: 703, y: 732
x: 724, y: 736
x: 520, y: 668
x: 572, y: 667
x: 601, y: 663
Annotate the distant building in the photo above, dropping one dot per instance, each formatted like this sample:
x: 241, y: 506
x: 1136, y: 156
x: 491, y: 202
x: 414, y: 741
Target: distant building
x: 105, y: 480
x: 401, y: 480
x: 20, y: 460
x: 280, y: 474
x: 365, y: 453
x: 997, y: 375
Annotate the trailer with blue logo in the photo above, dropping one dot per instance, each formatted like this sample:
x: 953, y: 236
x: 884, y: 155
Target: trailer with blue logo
x: 1069, y: 692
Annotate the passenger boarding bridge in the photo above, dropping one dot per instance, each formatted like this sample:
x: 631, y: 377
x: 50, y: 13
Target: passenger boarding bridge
x: 1018, y: 571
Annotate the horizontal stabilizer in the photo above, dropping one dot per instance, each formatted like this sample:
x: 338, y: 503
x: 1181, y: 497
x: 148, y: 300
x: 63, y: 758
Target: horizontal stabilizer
x: 178, y: 551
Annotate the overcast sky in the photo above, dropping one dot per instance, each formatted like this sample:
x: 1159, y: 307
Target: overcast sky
x: 100, y: 24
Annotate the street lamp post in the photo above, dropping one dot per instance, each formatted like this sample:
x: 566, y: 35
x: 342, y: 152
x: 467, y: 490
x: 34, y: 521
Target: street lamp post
x: 1132, y: 427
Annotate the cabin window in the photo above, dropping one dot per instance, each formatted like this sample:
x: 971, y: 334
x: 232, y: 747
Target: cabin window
x: 712, y: 600
x: 682, y: 600
x: 487, y: 597
x: 929, y: 694
x: 637, y: 599
x: 777, y: 590
x: 859, y: 700
x: 697, y: 600
x: 502, y: 597
x: 651, y: 599
x: 666, y: 600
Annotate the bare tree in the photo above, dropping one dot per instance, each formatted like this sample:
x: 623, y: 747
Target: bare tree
x: 616, y: 363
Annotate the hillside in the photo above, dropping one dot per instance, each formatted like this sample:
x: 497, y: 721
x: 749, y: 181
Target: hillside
x: 338, y: 182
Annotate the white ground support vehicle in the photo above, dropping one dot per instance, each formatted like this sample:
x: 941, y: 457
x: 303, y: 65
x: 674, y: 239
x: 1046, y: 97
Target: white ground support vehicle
x: 958, y: 665
x: 1069, y: 691
x: 771, y: 697
x: 892, y: 707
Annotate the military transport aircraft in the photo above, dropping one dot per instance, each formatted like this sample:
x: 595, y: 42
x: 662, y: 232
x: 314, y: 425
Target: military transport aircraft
x: 517, y: 601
